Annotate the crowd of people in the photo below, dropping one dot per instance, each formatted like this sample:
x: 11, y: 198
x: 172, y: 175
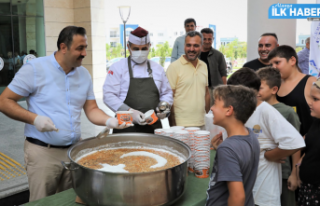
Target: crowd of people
x: 12, y: 64
x: 269, y: 108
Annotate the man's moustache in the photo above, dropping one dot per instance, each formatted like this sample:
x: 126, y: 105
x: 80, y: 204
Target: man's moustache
x: 80, y: 57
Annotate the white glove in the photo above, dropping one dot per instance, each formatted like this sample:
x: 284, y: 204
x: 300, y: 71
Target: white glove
x: 112, y: 123
x: 138, y: 117
x: 44, y: 124
x: 163, y: 114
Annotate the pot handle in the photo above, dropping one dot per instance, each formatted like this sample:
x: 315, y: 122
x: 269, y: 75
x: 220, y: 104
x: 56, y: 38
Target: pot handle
x: 67, y: 166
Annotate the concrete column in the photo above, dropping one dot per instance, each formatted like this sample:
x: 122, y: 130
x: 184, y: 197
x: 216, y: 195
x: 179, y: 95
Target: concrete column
x: 90, y: 15
x: 98, y: 45
x: 57, y: 15
x: 259, y: 23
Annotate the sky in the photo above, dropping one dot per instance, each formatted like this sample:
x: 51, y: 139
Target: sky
x: 229, y: 16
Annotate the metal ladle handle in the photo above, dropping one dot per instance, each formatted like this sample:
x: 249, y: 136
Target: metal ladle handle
x: 104, y: 133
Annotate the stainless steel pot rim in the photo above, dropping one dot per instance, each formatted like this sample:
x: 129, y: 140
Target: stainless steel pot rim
x: 131, y: 173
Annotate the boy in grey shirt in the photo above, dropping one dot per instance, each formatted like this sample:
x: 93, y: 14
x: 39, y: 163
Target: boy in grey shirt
x: 237, y: 158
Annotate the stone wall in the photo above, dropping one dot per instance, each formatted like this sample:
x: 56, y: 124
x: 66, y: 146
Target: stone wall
x: 85, y: 13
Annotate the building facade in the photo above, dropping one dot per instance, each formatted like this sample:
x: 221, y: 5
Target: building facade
x: 33, y: 26
x: 302, y: 40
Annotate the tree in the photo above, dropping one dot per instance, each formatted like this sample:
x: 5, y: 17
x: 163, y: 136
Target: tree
x: 114, y: 52
x: 163, y: 51
x: 234, y: 49
x: 298, y: 49
x: 152, y: 53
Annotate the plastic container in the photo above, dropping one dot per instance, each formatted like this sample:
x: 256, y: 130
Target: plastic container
x: 202, y: 154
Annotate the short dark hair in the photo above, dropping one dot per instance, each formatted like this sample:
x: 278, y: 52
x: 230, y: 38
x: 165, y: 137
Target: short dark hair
x: 66, y: 35
x: 189, y: 20
x: 207, y: 31
x: 193, y: 34
x: 270, y: 34
x: 242, y: 99
x: 271, y: 75
x: 284, y: 51
x: 246, y: 77
x: 31, y: 51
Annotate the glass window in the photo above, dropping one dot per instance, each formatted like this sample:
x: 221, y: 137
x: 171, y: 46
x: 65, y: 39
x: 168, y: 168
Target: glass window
x: 127, y: 33
x: 5, y: 7
x: 113, y: 44
x: 28, y: 37
x: 21, y: 33
x: 160, y: 34
x: 6, y: 52
x: 27, y: 8
x: 113, y: 33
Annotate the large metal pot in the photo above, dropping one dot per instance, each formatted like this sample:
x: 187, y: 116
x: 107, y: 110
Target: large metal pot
x: 95, y: 187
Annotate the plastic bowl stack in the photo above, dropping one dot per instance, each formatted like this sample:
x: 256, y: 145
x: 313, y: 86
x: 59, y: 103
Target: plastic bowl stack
x: 191, y: 131
x: 168, y: 132
x: 202, y: 154
x: 159, y: 131
x: 175, y: 128
x: 181, y: 135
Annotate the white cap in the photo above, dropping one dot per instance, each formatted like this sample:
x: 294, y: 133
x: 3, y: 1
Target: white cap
x: 139, y: 36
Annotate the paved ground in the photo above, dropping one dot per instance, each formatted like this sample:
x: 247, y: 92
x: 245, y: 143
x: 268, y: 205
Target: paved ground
x: 12, y: 141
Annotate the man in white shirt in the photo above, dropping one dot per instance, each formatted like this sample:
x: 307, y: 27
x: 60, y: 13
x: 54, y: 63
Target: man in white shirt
x: 137, y: 84
x: 178, y: 47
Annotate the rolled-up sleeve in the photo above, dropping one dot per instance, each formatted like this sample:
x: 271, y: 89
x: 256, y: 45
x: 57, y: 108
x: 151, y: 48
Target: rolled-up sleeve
x: 23, y: 82
x: 165, y: 90
x: 111, y: 89
x: 90, y: 94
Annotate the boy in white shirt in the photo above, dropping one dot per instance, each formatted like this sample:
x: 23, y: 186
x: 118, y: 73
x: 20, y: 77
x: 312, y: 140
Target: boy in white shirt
x: 277, y: 137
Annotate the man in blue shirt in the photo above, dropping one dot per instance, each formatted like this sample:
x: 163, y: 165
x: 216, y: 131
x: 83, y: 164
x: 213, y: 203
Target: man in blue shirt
x: 303, y: 57
x: 56, y: 88
x: 178, y: 47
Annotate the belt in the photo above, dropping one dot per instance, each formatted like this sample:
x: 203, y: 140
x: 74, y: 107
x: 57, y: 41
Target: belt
x: 40, y: 143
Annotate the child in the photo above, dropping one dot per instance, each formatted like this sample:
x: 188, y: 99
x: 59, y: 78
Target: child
x: 295, y: 86
x: 237, y: 158
x: 309, y: 191
x: 270, y: 83
x: 277, y: 137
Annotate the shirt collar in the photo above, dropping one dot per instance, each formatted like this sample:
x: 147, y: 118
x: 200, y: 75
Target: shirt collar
x: 184, y: 61
x: 57, y: 65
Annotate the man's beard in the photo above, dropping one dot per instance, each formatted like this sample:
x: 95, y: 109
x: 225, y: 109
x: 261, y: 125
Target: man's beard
x: 194, y: 58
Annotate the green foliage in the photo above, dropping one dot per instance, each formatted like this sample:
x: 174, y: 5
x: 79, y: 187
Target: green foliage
x: 234, y: 49
x: 163, y: 51
x: 298, y: 49
x: 114, y: 52
x: 152, y: 53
